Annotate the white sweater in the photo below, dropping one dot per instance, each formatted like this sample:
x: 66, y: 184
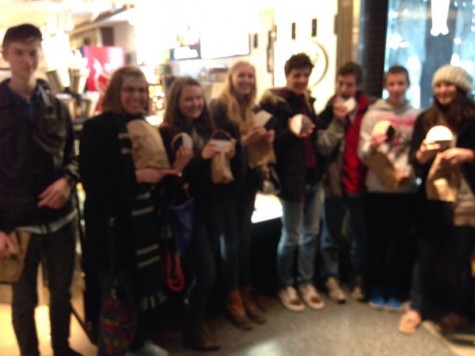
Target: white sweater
x: 402, y: 119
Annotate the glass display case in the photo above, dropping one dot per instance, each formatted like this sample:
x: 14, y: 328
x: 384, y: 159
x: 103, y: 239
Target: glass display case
x: 423, y: 35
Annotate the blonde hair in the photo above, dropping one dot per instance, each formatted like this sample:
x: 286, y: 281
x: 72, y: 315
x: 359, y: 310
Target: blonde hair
x: 239, y: 108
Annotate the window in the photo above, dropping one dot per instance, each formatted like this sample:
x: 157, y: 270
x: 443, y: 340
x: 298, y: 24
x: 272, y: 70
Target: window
x: 423, y: 35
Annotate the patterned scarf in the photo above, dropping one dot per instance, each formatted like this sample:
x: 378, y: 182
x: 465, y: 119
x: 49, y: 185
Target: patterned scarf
x: 146, y: 234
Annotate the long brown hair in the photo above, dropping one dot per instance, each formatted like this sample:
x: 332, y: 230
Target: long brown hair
x: 453, y: 115
x: 239, y: 109
x: 173, y: 116
x: 111, y: 101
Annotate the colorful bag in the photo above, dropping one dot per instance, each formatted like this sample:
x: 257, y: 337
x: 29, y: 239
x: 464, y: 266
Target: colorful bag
x: 118, y: 323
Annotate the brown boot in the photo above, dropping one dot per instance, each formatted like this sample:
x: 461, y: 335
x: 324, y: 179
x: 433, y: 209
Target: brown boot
x: 252, y: 308
x: 236, y: 311
x: 201, y: 338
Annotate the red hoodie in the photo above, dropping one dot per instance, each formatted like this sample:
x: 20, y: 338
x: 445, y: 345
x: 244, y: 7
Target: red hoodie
x: 354, y: 171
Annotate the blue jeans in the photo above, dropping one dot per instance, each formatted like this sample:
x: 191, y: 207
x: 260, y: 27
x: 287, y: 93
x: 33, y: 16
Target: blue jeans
x: 333, y: 214
x: 298, y: 240
x: 57, y: 251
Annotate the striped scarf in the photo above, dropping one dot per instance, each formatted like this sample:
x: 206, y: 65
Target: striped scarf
x: 146, y: 233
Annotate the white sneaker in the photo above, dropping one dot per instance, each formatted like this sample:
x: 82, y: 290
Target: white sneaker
x: 148, y: 349
x: 334, y: 290
x: 311, y: 296
x: 289, y: 298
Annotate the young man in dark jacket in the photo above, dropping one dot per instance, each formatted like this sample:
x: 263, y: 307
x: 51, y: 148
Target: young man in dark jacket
x: 38, y: 171
x: 299, y: 169
x: 344, y: 183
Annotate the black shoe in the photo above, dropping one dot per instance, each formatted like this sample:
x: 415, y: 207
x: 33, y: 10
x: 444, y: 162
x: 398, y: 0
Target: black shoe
x: 68, y: 352
x: 451, y: 323
x: 201, y: 338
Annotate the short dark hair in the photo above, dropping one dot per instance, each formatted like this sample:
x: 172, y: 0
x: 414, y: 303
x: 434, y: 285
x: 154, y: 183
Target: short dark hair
x: 21, y: 33
x: 297, y: 61
x: 397, y: 69
x: 351, y: 68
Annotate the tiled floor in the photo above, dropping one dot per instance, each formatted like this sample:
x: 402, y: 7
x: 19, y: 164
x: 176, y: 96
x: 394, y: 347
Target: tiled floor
x: 338, y: 330
x: 8, y: 346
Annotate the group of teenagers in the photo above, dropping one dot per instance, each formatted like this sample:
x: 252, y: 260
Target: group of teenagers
x: 330, y: 188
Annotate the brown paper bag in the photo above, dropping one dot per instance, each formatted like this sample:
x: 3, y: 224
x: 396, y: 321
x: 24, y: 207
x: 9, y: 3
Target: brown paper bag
x: 383, y: 169
x: 11, y: 267
x: 443, y: 181
x: 260, y: 154
x: 221, y: 169
x: 148, y: 150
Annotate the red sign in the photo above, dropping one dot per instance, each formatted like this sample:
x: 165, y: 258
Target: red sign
x: 102, y: 62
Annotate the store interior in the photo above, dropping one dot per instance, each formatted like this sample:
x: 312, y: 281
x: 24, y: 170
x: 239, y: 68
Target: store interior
x: 86, y: 40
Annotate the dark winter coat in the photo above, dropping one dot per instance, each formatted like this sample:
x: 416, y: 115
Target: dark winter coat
x: 34, y: 152
x: 283, y: 104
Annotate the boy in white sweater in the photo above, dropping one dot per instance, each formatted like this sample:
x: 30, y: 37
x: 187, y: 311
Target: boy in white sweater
x: 385, y: 135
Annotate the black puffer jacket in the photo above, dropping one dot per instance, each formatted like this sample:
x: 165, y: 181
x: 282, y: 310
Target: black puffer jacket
x: 290, y: 149
x: 33, y: 154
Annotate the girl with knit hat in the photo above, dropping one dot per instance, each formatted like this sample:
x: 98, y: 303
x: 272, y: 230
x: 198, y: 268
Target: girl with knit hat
x: 445, y: 220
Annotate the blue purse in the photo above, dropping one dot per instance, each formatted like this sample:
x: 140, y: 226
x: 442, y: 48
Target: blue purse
x: 182, y: 223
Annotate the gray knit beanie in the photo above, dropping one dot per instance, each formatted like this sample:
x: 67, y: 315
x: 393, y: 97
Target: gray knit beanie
x: 455, y: 75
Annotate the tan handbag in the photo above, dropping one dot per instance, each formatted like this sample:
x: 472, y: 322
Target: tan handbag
x: 11, y: 267
x: 260, y: 154
x: 221, y: 169
x: 220, y: 164
x: 443, y: 181
x: 383, y: 169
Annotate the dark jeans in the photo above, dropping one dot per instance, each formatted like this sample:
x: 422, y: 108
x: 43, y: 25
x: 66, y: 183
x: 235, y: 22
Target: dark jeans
x: 464, y: 242
x: 237, y: 212
x: 57, y: 251
x: 430, y: 249
x: 391, y: 240
x: 201, y: 254
x: 334, y: 212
